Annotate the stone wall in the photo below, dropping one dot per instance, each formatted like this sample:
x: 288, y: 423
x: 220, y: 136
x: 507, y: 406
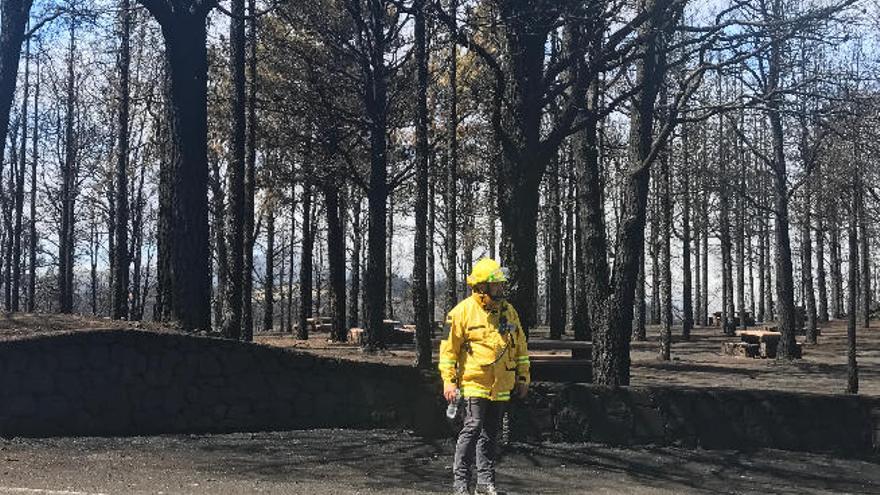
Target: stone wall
x: 136, y: 382
x: 713, y: 418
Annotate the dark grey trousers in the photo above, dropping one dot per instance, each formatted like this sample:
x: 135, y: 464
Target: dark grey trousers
x: 478, y: 439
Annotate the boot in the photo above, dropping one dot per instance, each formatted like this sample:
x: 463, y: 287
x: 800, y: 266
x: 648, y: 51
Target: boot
x: 487, y: 489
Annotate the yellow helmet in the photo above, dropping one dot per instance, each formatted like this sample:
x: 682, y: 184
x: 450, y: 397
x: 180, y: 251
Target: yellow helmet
x: 487, y: 270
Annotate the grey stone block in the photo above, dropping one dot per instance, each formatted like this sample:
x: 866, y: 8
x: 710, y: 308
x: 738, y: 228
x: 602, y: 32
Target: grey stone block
x: 21, y: 405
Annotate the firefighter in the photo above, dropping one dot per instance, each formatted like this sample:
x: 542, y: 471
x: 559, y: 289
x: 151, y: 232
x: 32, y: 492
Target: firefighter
x: 484, y: 358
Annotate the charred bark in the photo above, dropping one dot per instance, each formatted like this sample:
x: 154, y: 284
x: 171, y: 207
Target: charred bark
x: 269, y: 285
x: 355, y: 295
x: 305, y: 264
x: 852, y: 368
x: 686, y: 286
x: 121, y: 256
x: 19, y: 184
x: 13, y: 19
x: 665, y: 192
x: 186, y: 274
x: 807, y: 268
x: 452, y: 171
x: 236, y: 210
x: 821, y: 282
x: 32, y: 221
x: 420, y: 242
x: 336, y: 261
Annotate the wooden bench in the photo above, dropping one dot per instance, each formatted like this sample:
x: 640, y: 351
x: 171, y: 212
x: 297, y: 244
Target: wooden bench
x: 740, y: 349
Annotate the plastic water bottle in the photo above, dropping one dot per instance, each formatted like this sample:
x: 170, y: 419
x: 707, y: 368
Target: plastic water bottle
x: 452, y: 408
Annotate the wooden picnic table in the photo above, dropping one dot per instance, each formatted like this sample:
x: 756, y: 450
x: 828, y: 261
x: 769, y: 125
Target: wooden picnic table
x: 758, y: 336
x: 766, y: 341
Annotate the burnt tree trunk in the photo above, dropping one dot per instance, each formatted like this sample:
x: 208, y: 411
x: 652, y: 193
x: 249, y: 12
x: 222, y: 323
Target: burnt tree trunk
x: 611, y: 301
x: 822, y: 308
x: 836, y: 275
x: 544, y: 317
x: 32, y: 221
x: 318, y: 285
x: 162, y: 304
x: 654, y: 251
x: 283, y: 315
x: 269, y: 282
x: 93, y: 262
x: 452, y: 171
x: 136, y: 310
x: 852, y: 369
x: 568, y: 274
x: 68, y: 189
x: 389, y: 258
x: 219, y: 219
x: 376, y: 105
x: 687, y: 322
x: 13, y: 19
x: 750, y: 256
x: 639, y: 331
x: 355, y: 295
x: 305, y: 264
x: 19, y: 183
x: 236, y: 211
x: 740, y: 242
x: 290, y: 262
x: 865, y: 260
x: 336, y: 261
x: 665, y: 193
x: 519, y: 123
x: 698, y: 230
x: 429, y: 252
x: 727, y: 311
x: 769, y: 309
x: 250, y: 183
x: 762, y: 227
x: 784, y: 279
x: 807, y: 267
x: 557, y: 289
x: 420, y: 242
x: 187, y: 290
x: 120, y: 258
x: 704, y: 224
x: 698, y: 268
x: 591, y: 216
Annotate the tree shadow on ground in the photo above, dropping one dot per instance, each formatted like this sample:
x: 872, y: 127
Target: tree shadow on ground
x: 382, y: 460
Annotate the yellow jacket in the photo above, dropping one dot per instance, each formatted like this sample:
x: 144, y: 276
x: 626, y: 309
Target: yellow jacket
x: 482, y: 356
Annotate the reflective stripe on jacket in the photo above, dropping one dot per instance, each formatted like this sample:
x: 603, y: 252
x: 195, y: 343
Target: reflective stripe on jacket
x: 484, y: 352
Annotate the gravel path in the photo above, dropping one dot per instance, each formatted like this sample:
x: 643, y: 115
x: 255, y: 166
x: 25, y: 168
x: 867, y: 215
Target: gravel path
x: 381, y: 461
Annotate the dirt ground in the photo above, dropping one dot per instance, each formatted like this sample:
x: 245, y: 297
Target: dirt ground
x: 25, y: 325
x: 697, y: 362
x: 391, y: 462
